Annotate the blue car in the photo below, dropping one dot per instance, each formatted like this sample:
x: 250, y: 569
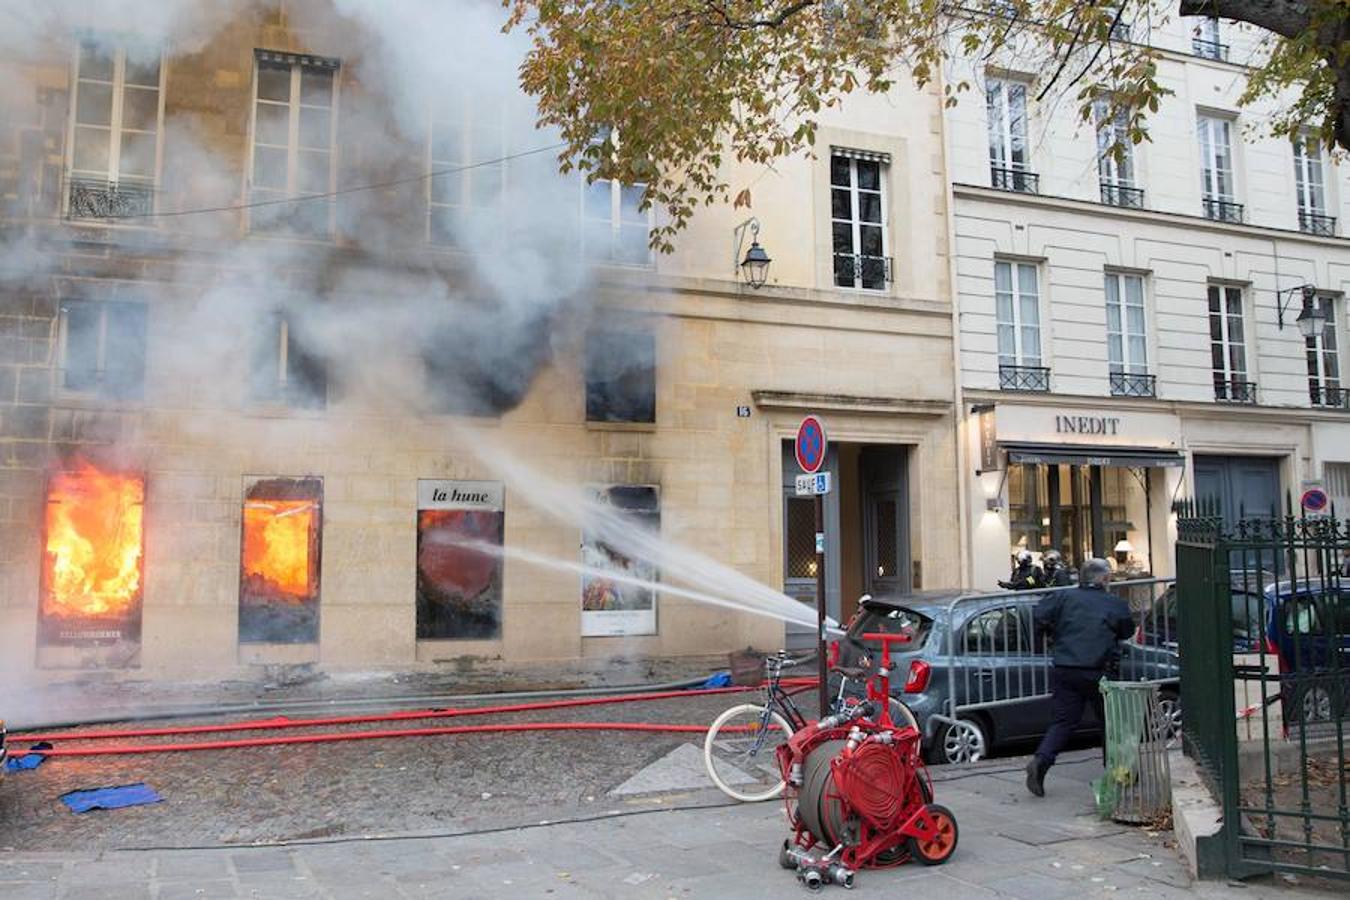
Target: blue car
x: 1308, y: 628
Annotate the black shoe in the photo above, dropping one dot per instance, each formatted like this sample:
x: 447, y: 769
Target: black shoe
x: 1036, y: 776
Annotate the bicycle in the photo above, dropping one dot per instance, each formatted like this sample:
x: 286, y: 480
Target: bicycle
x: 739, y: 750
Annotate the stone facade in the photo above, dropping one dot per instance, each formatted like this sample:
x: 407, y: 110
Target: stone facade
x: 877, y: 364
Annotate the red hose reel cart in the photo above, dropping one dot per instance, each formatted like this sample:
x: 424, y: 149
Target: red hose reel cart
x: 858, y: 795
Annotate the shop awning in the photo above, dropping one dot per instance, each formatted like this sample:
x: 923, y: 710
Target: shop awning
x: 1124, y: 457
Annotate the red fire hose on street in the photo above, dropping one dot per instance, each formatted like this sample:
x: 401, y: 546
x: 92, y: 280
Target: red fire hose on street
x: 283, y: 723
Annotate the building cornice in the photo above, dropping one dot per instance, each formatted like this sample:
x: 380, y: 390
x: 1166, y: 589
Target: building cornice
x: 847, y: 403
x: 1191, y: 409
x: 1177, y: 220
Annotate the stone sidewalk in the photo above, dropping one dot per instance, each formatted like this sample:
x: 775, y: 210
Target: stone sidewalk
x: 688, y: 844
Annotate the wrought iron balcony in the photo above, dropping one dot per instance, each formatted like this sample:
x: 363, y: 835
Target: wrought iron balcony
x: 1234, y: 391
x: 106, y: 200
x: 1019, y: 180
x: 1209, y: 49
x: 1223, y: 210
x: 1329, y: 397
x: 1314, y: 223
x: 859, y: 270
x: 1129, y: 384
x: 1115, y: 194
x: 1024, y: 378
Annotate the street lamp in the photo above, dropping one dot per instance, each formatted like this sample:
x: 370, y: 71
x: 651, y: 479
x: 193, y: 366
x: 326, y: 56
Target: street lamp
x: 754, y: 268
x: 1311, y: 320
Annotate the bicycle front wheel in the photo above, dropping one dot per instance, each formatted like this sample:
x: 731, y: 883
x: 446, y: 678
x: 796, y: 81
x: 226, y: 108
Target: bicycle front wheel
x: 740, y: 752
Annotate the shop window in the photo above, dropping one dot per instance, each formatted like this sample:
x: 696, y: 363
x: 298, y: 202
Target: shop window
x: 279, y: 561
x: 294, y: 137
x: 285, y: 371
x: 1058, y: 507
x: 103, y: 348
x: 460, y: 528
x: 93, y: 557
x: 621, y: 376
x: 622, y: 602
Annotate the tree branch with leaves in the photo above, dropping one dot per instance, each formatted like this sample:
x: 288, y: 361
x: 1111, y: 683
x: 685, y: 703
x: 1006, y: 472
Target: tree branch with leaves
x: 666, y: 92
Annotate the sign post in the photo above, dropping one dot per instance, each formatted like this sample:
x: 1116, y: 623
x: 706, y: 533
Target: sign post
x: 811, y: 447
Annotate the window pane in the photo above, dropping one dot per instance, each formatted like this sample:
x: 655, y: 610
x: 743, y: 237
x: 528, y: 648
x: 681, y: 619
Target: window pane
x: 1114, y: 349
x: 447, y: 142
x: 142, y: 68
x: 1134, y: 319
x: 869, y: 207
x: 140, y: 109
x: 274, y: 82
x: 1113, y: 318
x: 1216, y: 357
x: 124, y: 350
x: 630, y: 203
x: 869, y: 175
x: 839, y: 171
x: 621, y: 377
x: 447, y: 189
x: 314, y: 128
x: 871, y: 240
x: 93, y: 106
x: 95, y: 62
x: 269, y: 168
x: 486, y: 186
x: 1028, y: 310
x: 81, y: 360
x: 633, y: 244
x: 1134, y: 290
x: 1004, y: 308
x: 1031, y: 345
x: 1003, y: 277
x: 1213, y: 298
x: 273, y: 124
x: 1007, y: 347
x: 800, y: 541
x: 1235, y: 329
x: 1026, y: 280
x: 843, y: 238
x: 91, y: 150
x: 1138, y: 352
x: 312, y: 173
x: 138, y: 155
x: 598, y: 199
x: 316, y: 87
x: 841, y: 204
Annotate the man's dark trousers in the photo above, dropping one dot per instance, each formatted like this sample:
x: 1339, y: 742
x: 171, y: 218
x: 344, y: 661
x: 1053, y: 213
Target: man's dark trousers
x: 1072, y: 690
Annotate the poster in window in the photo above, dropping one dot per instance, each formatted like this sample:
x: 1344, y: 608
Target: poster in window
x: 620, y: 605
x: 459, y: 577
x: 279, y: 561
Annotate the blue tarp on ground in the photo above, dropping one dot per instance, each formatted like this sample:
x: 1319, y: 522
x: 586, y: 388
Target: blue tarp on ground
x: 110, y: 797
x: 717, y: 680
x: 30, y: 761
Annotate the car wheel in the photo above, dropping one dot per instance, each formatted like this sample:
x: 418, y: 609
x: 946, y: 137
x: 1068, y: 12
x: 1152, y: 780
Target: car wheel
x: 960, y: 742
x: 1169, y: 715
x: 1316, y: 705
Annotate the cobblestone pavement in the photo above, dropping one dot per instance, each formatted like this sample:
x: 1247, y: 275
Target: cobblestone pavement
x: 463, y: 817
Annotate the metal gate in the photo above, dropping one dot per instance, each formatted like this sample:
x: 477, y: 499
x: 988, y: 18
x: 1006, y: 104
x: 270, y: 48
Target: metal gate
x: 1264, y: 635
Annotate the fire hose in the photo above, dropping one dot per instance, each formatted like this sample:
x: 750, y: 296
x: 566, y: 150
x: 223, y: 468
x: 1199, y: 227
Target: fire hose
x: 334, y: 737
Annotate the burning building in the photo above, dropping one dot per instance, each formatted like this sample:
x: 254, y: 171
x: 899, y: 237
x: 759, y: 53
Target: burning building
x: 261, y: 264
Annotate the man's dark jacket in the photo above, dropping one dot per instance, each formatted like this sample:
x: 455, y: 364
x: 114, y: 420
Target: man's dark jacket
x: 1086, y: 623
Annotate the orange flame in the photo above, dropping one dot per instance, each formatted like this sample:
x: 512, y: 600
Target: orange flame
x: 276, y: 544
x: 94, y: 537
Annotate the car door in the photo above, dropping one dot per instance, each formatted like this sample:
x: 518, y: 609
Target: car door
x: 997, y: 662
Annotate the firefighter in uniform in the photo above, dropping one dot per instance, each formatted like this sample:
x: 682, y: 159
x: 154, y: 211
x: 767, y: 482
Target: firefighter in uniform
x: 1086, y: 624
x: 1056, y: 573
x: 1026, y: 575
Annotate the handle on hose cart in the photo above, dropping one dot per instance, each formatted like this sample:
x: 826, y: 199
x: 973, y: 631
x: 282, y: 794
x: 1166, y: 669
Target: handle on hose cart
x: 882, y: 694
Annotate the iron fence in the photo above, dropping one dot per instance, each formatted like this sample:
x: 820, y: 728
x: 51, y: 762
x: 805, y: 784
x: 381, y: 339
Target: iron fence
x: 1264, y: 642
x: 993, y: 656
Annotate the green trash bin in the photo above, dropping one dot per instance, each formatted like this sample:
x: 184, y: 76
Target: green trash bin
x: 1137, y: 785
